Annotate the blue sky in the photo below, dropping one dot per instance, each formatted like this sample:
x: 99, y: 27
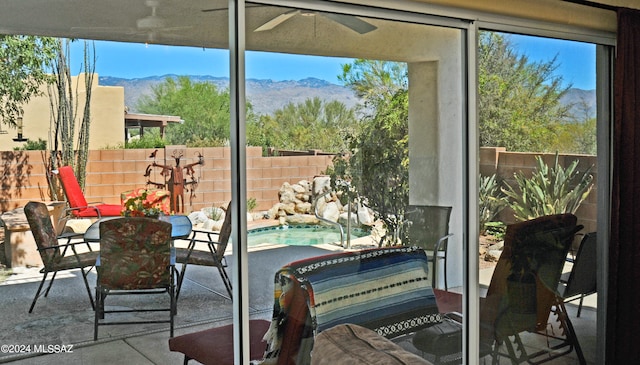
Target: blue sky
x: 576, y: 61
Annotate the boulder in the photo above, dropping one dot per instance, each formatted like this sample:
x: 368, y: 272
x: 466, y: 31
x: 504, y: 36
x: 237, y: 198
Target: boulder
x: 304, y: 208
x: 320, y: 206
x: 288, y: 208
x: 299, y: 189
x: 212, y: 225
x: 321, y: 184
x: 365, y: 215
x: 273, y: 212
x: 302, y: 219
x: 198, y: 217
x: 331, y: 212
x: 344, y: 217
x: 286, y: 194
x: 306, y: 184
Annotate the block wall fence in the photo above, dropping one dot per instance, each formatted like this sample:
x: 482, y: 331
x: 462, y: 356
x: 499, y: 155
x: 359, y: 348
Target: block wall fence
x: 111, y: 172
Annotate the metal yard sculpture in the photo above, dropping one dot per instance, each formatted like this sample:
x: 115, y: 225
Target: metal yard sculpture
x: 178, y: 179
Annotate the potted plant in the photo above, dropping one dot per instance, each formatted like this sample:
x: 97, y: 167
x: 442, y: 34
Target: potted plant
x: 146, y: 203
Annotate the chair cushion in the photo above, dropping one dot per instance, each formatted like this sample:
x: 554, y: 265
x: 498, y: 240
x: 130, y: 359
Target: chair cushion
x: 215, y: 345
x: 106, y: 210
x: 356, y: 345
x: 197, y: 257
x: 71, y: 187
x: 441, y: 339
x: 86, y: 259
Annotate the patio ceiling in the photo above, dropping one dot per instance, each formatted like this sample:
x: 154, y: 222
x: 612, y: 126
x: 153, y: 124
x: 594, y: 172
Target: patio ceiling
x: 204, y: 23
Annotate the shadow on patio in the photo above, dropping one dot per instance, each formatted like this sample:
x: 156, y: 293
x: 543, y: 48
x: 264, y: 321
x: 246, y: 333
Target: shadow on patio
x: 66, y: 318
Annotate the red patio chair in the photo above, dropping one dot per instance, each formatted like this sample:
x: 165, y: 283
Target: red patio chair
x: 77, y: 203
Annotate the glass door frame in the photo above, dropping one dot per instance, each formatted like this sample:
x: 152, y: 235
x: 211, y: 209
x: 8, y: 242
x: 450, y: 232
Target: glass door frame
x: 470, y: 26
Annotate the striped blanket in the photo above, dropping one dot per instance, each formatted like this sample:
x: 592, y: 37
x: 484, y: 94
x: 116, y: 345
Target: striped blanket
x: 386, y: 290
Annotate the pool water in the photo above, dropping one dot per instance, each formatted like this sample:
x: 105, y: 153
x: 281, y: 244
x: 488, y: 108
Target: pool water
x: 300, y: 235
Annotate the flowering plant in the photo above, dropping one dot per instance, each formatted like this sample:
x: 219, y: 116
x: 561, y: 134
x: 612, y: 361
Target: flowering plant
x: 145, y: 203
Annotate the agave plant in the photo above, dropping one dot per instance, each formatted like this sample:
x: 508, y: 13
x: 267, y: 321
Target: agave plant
x: 549, y: 190
x: 491, y: 200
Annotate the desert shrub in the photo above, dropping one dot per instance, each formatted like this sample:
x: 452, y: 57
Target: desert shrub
x: 548, y: 191
x: 491, y: 200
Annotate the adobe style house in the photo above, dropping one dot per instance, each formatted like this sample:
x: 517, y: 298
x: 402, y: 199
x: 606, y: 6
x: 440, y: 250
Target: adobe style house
x: 107, y: 127
x: 111, y: 124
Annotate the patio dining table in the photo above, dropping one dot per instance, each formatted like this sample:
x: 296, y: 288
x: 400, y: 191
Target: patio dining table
x: 180, y: 227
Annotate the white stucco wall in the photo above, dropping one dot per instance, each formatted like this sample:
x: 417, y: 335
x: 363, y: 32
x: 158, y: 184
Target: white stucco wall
x: 436, y: 145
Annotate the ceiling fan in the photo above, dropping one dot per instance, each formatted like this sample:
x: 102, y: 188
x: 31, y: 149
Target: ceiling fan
x: 352, y: 22
x: 151, y: 25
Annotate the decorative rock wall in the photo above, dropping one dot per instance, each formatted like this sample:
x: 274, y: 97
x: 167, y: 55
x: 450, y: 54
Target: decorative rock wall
x: 297, y: 202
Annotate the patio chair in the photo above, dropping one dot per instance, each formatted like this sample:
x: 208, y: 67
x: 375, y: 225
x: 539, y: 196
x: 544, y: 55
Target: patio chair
x: 136, y: 258
x: 388, y: 292
x: 582, y: 280
x: 506, y: 312
x: 56, y: 256
x: 429, y: 230
x: 78, y: 206
x: 213, y: 256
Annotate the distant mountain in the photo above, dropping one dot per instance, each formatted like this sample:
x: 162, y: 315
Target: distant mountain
x: 583, y: 101
x: 266, y: 96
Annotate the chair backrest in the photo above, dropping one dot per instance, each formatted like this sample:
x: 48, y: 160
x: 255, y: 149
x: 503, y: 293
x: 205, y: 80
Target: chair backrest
x: 71, y: 188
x: 546, y: 242
x: 386, y: 290
x: 225, y: 234
x: 43, y: 232
x: 583, y: 276
x: 135, y: 253
x: 428, y: 224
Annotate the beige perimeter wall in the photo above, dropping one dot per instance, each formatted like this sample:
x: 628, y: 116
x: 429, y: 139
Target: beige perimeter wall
x: 114, y: 171
x: 111, y: 172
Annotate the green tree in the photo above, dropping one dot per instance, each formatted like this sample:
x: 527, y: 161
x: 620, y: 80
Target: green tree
x: 579, y: 134
x: 204, y: 109
x: 519, y: 100
x: 375, y: 81
x: 312, y: 124
x: 24, y: 62
x: 377, y: 164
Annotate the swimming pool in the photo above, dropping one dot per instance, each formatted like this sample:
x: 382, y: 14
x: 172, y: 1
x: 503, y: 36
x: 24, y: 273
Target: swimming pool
x: 300, y: 235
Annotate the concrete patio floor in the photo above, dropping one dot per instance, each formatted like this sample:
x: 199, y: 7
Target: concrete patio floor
x: 65, y: 316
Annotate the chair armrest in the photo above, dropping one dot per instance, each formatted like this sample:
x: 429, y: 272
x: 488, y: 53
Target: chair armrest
x: 209, y: 240
x: 440, y: 243
x: 84, y: 208
x: 454, y: 316
x: 211, y: 243
x: 70, y: 235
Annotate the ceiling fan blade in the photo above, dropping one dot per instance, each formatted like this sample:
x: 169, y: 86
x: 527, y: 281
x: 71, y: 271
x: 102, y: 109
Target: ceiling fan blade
x: 277, y: 21
x: 247, y: 6
x: 351, y: 22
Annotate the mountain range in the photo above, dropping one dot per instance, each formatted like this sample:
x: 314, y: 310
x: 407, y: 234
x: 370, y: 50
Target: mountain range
x: 267, y: 96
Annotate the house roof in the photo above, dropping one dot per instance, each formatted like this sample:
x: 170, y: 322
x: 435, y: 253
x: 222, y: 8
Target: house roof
x: 134, y: 120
